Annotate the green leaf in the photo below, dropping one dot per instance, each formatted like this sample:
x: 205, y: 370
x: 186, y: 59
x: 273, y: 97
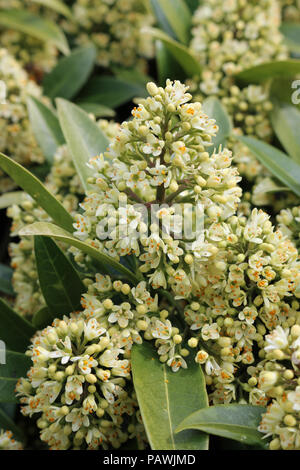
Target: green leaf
x: 282, y: 90
x: 277, y: 162
x: 32, y: 185
x: 268, y: 70
x: 70, y: 74
x: 16, y: 366
x: 214, y: 109
x: 184, y: 56
x: 111, y: 91
x: 15, y: 331
x: 11, y: 198
x: 98, y: 110
x: 237, y: 422
x: 84, y: 138
x: 45, y: 127
x: 167, y: 66
x: 35, y: 26
x: 291, y: 32
x: 57, y: 6
x: 59, y: 281
x: 50, y: 230
x: 42, y: 318
x: 174, y: 17
x: 5, y: 280
x: 166, y: 398
x: 286, y: 123
x: 193, y: 4
x: 7, y: 423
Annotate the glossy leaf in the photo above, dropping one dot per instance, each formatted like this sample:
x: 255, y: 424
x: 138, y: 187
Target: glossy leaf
x: 286, y: 123
x: 166, y: 398
x: 98, y: 110
x: 45, y: 127
x: 237, y: 422
x: 7, y: 423
x: 40, y: 28
x: 106, y: 262
x: 184, y: 56
x: 56, y: 5
x: 15, y: 331
x: 84, y: 138
x: 42, y: 318
x: 174, y: 17
x: 11, y: 198
x: 70, y: 74
x: 33, y: 186
x: 5, y: 280
x: 291, y: 32
x: 111, y: 91
x: 60, y: 283
x: 277, y: 162
x: 214, y: 109
x: 16, y: 366
x: 286, y: 90
x: 268, y: 70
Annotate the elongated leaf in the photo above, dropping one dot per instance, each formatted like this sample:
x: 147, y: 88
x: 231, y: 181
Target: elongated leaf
x: 70, y: 74
x: 35, y: 26
x: 16, y: 366
x: 9, y: 199
x: 193, y: 4
x: 42, y: 318
x: 291, y: 32
x: 111, y: 91
x: 166, y: 398
x: 7, y: 423
x: 167, y: 66
x: 15, y: 331
x: 98, y: 110
x: 275, y: 69
x: 286, y: 123
x: 214, y: 109
x: 56, y: 5
x: 184, y: 56
x: 5, y: 280
x: 50, y: 230
x: 174, y: 17
x: 237, y: 422
x: 45, y: 127
x: 277, y: 162
x: 60, y: 283
x: 29, y: 183
x: 84, y: 138
x: 286, y: 90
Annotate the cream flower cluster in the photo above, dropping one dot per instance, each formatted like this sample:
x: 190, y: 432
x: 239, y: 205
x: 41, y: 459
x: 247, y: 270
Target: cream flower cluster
x: 228, y: 37
x: 16, y: 137
x: 115, y: 29
x: 279, y: 379
x: 64, y: 183
x: 7, y: 442
x: 158, y: 180
x: 80, y: 381
x: 289, y: 223
x: 249, y: 288
x: 35, y: 55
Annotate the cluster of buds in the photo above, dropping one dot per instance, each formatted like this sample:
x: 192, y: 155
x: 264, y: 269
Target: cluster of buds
x: 7, y: 442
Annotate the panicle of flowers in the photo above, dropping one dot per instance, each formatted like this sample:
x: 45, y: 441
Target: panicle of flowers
x: 114, y: 27
x: 158, y: 180
x: 35, y: 55
x: 17, y: 139
x: 7, y: 442
x: 278, y: 376
x: 249, y: 288
x: 289, y: 223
